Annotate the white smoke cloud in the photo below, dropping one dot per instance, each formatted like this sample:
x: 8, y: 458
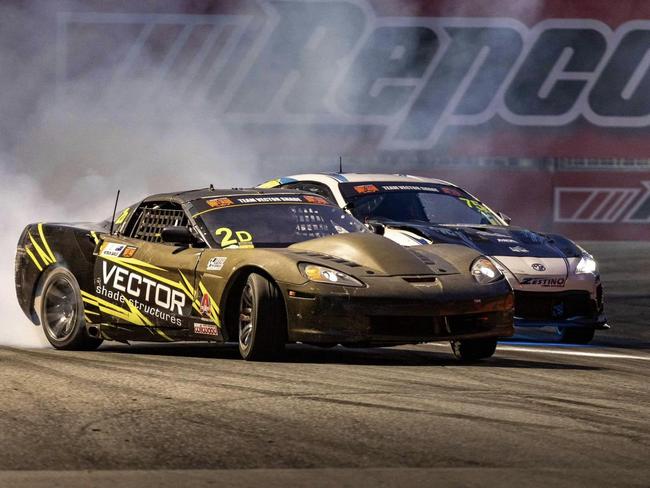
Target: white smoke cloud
x: 63, y: 158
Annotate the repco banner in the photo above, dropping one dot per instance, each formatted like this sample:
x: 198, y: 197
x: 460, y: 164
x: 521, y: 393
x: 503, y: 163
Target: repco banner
x: 422, y: 82
x: 413, y: 81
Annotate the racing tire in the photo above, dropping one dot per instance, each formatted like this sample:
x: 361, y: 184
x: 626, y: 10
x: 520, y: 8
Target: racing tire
x: 262, y: 320
x: 60, y: 311
x: 576, y: 335
x: 468, y: 350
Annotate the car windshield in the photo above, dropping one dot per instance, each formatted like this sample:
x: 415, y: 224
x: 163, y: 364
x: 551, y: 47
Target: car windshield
x: 271, y: 220
x: 431, y: 203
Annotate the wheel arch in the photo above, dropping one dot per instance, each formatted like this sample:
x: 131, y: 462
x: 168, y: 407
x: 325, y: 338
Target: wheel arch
x: 230, y: 299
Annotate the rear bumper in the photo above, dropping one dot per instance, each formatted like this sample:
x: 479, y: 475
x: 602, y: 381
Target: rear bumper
x: 336, y: 316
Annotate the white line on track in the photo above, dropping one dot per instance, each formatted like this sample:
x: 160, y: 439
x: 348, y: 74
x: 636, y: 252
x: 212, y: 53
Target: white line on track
x: 574, y: 353
x: 505, y: 348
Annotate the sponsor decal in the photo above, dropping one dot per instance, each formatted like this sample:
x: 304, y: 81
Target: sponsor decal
x: 206, y: 329
x: 147, y: 295
x: 454, y: 192
x: 129, y: 251
x: 409, y: 188
x: 215, y: 264
x: 538, y: 267
x: 229, y: 238
x: 276, y: 199
x: 316, y: 200
x: 219, y: 202
x: 546, y: 282
x: 205, y: 305
x: 113, y: 249
x: 519, y: 249
x: 366, y: 189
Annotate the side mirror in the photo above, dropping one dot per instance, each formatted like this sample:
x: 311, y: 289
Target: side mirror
x: 505, y: 218
x: 376, y: 228
x: 177, y: 235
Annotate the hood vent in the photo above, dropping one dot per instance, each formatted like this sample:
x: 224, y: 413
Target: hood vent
x: 420, y: 279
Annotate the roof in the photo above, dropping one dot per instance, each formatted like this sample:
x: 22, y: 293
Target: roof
x: 376, y: 177
x: 190, y: 195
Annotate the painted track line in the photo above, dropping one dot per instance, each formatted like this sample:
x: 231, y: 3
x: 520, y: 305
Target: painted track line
x: 538, y: 350
x: 573, y: 353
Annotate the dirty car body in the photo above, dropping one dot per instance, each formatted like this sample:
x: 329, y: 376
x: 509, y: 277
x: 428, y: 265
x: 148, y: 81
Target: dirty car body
x: 336, y: 282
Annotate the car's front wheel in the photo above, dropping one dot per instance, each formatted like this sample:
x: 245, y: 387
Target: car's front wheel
x: 61, y: 313
x: 473, y: 349
x: 262, y: 320
x: 576, y: 335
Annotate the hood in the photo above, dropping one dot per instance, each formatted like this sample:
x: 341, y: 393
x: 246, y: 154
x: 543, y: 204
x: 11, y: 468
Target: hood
x: 494, y: 240
x: 375, y: 252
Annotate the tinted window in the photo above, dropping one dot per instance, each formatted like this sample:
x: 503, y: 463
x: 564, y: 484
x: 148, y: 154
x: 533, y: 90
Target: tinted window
x: 440, y: 204
x: 272, y: 220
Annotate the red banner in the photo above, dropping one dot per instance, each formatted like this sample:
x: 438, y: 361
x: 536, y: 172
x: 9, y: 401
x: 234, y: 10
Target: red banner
x: 581, y: 205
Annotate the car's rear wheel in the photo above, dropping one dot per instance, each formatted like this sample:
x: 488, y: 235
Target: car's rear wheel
x: 262, y: 320
x: 576, y: 335
x: 473, y: 349
x: 61, y: 313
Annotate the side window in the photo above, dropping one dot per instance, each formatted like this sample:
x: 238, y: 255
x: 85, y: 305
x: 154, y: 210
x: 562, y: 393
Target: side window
x: 312, y: 187
x: 152, y: 217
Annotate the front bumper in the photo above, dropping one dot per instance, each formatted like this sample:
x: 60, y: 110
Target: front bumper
x: 391, y: 311
x: 574, y: 308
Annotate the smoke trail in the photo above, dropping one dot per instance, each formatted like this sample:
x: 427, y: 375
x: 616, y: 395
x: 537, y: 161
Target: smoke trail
x: 150, y: 104
x: 63, y: 157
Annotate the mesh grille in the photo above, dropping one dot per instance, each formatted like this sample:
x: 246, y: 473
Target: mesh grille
x: 153, y: 220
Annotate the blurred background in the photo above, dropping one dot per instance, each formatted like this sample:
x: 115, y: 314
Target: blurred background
x: 539, y: 107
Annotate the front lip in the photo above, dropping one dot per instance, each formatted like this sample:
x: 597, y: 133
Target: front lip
x: 599, y: 322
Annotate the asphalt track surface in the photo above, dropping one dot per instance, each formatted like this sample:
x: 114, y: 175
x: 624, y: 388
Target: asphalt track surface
x: 537, y: 414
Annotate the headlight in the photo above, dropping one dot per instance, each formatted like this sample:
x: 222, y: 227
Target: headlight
x: 587, y: 264
x: 321, y: 274
x: 484, y: 271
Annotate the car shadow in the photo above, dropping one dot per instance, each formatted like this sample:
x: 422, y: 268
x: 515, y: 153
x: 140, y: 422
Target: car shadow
x: 385, y: 356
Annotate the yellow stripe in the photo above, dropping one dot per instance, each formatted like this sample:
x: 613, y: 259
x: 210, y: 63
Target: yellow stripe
x: 45, y: 244
x: 133, y: 315
x: 44, y: 257
x: 137, y: 262
x: 270, y: 184
x: 92, y: 313
x: 29, y: 253
x: 93, y: 300
x: 123, y: 316
x: 187, y: 283
x: 125, y: 213
x: 137, y: 317
x: 94, y: 236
